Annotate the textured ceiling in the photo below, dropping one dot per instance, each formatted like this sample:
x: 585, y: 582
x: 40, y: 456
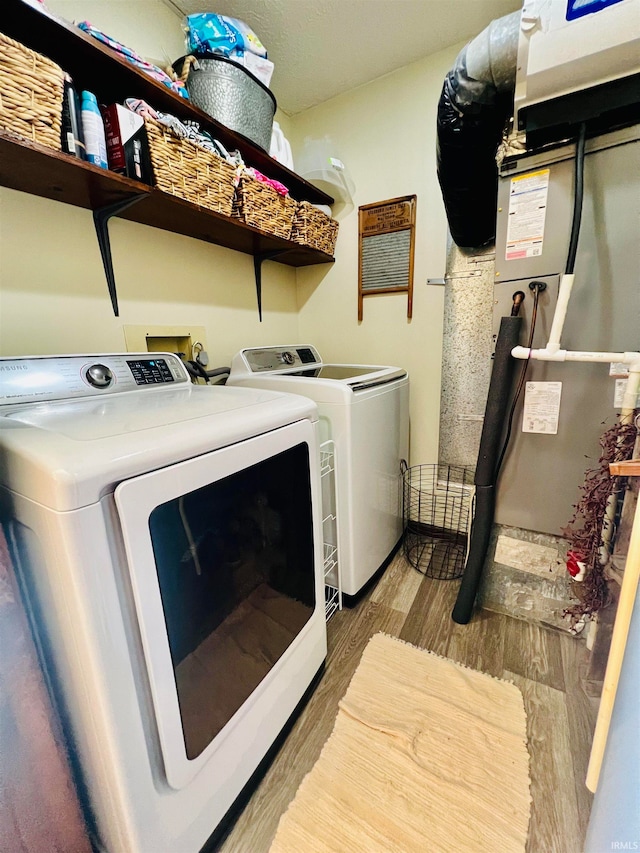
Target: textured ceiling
x: 323, y: 47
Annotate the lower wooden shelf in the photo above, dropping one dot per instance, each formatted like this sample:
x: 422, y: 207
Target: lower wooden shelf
x: 170, y: 213
x: 41, y: 171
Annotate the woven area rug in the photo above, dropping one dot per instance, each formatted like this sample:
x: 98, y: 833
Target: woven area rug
x: 425, y: 756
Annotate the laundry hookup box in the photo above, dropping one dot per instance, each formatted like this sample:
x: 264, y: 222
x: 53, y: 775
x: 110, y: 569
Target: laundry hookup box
x: 127, y: 144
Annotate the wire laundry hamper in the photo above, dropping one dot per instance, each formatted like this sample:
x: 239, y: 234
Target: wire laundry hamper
x: 437, y: 507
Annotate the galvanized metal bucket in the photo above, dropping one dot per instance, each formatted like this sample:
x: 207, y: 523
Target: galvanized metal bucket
x: 231, y: 95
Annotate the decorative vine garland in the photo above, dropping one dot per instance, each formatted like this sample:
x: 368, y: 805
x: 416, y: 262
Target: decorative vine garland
x: 586, y: 527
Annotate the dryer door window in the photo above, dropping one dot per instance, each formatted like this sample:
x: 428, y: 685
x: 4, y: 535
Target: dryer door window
x: 235, y: 567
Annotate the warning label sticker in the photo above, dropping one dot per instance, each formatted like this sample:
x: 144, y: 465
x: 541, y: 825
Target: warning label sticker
x: 541, y: 407
x: 527, y: 214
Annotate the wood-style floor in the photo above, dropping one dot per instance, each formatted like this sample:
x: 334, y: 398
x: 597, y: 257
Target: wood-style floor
x: 544, y: 663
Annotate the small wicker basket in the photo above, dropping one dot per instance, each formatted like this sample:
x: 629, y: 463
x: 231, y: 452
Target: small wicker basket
x: 184, y: 169
x: 312, y: 227
x: 31, y: 93
x: 259, y: 205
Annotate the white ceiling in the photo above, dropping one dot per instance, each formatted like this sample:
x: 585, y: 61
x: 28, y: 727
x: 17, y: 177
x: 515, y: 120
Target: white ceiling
x: 323, y: 47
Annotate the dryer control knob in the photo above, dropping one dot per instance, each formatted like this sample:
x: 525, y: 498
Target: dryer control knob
x: 288, y: 357
x: 99, y: 376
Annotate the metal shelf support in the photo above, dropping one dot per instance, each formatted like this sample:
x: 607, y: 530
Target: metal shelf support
x: 257, y: 267
x: 101, y: 217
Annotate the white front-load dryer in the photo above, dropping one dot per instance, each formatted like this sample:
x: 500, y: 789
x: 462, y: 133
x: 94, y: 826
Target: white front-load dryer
x: 167, y: 539
x: 364, y: 410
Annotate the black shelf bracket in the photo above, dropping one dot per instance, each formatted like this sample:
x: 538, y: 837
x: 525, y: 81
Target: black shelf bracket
x: 101, y: 217
x: 257, y: 266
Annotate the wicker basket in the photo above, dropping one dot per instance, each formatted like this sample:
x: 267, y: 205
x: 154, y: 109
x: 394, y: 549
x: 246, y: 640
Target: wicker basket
x: 186, y: 170
x: 312, y: 227
x: 31, y: 93
x: 259, y: 205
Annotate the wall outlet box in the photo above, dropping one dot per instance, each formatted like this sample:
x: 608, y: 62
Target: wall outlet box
x: 176, y: 339
x: 127, y: 144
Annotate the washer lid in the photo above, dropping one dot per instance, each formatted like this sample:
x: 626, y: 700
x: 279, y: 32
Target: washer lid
x: 303, y: 360
x: 357, y: 377
x: 92, y: 419
x: 67, y: 454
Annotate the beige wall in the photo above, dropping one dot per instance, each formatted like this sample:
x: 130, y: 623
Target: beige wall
x: 147, y: 26
x: 385, y: 134
x: 53, y: 294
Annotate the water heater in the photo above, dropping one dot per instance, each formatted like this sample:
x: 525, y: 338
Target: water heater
x: 578, y: 61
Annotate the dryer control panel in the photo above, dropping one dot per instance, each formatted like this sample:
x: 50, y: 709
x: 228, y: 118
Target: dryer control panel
x: 272, y: 359
x: 32, y: 379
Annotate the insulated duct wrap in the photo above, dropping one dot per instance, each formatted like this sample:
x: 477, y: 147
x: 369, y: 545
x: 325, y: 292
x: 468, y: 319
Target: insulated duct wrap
x: 495, y: 414
x: 476, y: 102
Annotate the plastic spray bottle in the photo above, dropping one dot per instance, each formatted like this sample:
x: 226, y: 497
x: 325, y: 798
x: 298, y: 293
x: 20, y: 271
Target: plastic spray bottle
x: 93, y: 130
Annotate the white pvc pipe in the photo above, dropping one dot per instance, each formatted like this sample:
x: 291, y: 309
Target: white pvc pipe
x: 630, y: 398
x: 564, y: 292
x: 629, y: 358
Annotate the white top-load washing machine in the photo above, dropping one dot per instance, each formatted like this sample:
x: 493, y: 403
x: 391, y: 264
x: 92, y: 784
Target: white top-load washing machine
x: 364, y: 409
x: 167, y: 543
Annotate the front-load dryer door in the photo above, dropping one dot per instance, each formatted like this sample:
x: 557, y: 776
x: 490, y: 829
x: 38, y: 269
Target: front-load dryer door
x: 225, y: 577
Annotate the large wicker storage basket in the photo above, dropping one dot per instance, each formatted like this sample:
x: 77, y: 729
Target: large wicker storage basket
x: 31, y: 92
x: 259, y: 205
x: 184, y: 169
x: 312, y: 227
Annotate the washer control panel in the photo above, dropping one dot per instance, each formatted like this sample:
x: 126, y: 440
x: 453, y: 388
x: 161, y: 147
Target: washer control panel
x: 42, y: 378
x: 280, y: 358
x: 152, y: 371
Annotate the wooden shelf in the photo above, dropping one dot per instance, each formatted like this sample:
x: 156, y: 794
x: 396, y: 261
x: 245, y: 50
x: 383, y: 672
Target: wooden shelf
x: 630, y: 468
x: 173, y: 214
x: 38, y: 170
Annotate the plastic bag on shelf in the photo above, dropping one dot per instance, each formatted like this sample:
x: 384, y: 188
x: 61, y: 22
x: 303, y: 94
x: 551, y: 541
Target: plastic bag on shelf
x: 210, y: 33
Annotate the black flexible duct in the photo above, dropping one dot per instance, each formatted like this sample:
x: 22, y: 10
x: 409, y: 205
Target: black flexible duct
x: 476, y: 101
x: 492, y: 430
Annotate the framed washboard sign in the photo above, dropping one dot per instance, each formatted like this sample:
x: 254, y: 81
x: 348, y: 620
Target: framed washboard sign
x: 386, y: 248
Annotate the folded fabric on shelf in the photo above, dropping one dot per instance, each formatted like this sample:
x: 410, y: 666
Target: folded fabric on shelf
x: 276, y: 185
x: 141, y: 107
x: 132, y: 57
x: 183, y: 129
